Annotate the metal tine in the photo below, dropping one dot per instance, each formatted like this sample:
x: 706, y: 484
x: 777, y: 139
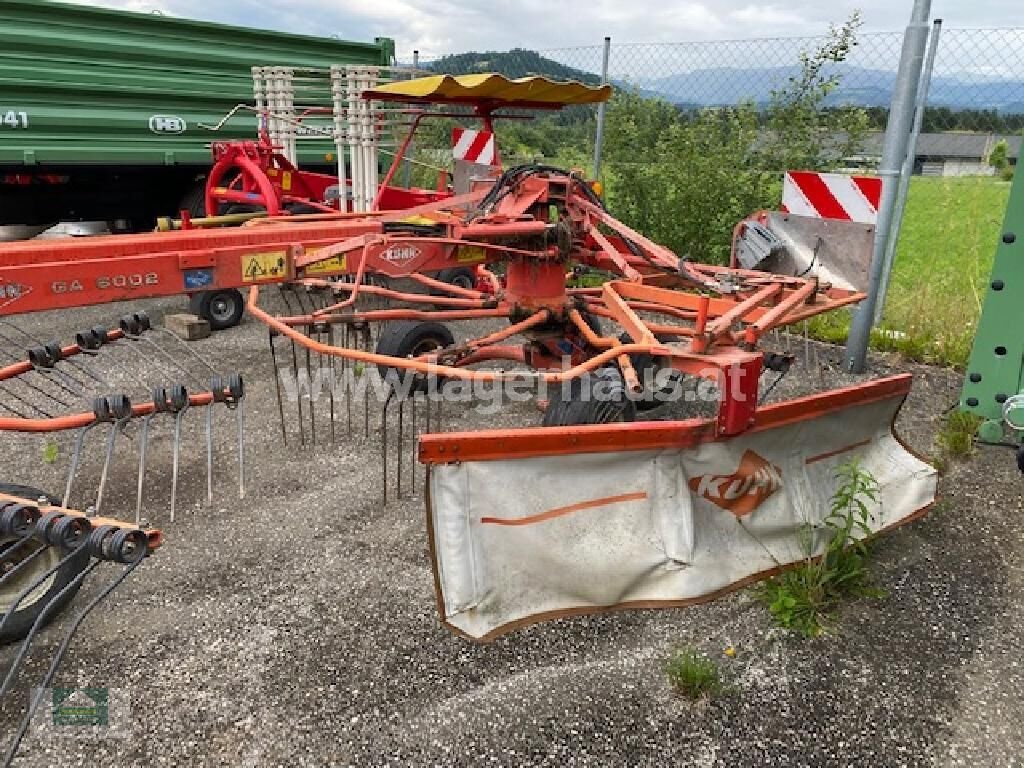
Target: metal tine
x: 102, y: 413
x: 179, y: 404
x: 398, y: 462
x: 187, y: 346
x: 35, y: 368
x: 143, y: 444
x: 333, y: 371
x: 240, y: 422
x: 345, y: 373
x: 366, y: 390
x: 312, y: 399
x: 271, y: 335
x: 71, y: 361
x: 384, y: 445
x: 58, y: 656
x: 19, y: 659
x: 121, y: 409
x: 807, y: 346
x: 298, y: 393
x: 163, y: 353
x: 31, y: 558
x: 286, y: 289
x: 42, y: 412
x: 412, y: 471
x: 25, y: 381
x: 61, y: 380
x: 209, y: 449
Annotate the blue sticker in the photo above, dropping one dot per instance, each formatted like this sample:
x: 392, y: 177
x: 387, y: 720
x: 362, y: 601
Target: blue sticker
x: 198, y: 278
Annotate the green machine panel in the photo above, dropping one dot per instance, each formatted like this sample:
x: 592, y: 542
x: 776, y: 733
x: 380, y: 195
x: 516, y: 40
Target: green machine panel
x: 995, y: 372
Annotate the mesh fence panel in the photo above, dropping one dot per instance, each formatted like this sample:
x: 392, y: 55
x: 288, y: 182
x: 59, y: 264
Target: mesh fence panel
x: 687, y: 190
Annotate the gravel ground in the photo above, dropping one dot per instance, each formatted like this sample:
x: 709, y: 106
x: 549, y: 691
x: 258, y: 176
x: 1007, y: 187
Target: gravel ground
x: 298, y: 627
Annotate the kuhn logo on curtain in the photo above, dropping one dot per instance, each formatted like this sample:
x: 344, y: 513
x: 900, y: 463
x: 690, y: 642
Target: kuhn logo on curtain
x: 743, y: 491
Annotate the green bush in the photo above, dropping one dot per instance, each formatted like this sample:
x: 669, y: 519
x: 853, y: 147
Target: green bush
x: 803, y: 598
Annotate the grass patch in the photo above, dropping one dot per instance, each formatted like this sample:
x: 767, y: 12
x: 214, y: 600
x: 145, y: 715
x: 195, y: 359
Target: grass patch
x: 943, y: 264
x: 956, y: 438
x: 803, y: 598
x: 692, y: 675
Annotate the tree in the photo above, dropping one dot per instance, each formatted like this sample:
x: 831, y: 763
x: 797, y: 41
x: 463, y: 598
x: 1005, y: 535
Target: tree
x: 685, y: 178
x: 999, y: 158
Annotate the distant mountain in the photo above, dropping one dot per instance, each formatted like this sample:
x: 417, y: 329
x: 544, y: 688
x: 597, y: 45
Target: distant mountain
x: 863, y: 87
x: 518, y: 62
x: 727, y: 85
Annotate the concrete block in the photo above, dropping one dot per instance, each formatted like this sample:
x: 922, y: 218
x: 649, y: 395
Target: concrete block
x: 186, y: 326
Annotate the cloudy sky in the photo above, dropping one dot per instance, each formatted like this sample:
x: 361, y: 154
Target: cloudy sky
x: 442, y: 26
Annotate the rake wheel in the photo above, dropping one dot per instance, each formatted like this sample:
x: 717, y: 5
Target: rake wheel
x: 221, y: 309
x: 409, y: 338
x: 604, y: 401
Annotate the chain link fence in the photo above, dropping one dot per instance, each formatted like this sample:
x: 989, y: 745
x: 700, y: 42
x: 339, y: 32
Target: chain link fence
x: 700, y: 133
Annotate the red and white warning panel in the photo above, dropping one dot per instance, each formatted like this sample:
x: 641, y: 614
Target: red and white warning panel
x: 832, y: 196
x: 474, y: 146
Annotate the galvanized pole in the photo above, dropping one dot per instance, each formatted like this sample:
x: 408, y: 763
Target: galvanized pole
x: 894, y: 152
x: 908, y: 169
x: 599, y: 136
x: 410, y: 150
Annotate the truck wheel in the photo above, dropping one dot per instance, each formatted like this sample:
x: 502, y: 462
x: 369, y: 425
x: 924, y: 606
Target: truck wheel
x: 409, y: 338
x: 194, y: 201
x: 460, y: 277
x: 603, y: 402
x: 221, y: 309
x: 28, y: 610
x: 663, y: 381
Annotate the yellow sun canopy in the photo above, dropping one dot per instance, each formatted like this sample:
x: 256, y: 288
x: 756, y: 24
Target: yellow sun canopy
x: 491, y: 89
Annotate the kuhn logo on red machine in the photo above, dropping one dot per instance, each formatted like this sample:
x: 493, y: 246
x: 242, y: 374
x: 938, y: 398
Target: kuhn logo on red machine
x: 743, y: 491
x: 401, y: 254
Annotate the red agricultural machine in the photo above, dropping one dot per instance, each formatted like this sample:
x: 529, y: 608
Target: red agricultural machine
x: 596, y: 508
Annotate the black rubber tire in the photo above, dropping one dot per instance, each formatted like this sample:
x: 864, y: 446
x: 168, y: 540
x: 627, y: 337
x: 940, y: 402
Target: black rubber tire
x: 409, y: 338
x: 222, y: 308
x: 23, y: 619
x: 300, y: 209
x: 642, y: 363
x: 461, y: 277
x: 194, y: 201
x: 568, y: 407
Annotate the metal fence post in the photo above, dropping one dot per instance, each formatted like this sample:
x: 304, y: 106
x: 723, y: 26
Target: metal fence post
x: 894, y: 152
x: 908, y: 169
x: 599, y: 136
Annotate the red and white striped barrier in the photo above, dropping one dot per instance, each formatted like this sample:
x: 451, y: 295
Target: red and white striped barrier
x: 832, y: 196
x: 474, y: 146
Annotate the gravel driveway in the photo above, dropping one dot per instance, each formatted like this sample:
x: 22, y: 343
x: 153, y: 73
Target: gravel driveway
x: 298, y: 627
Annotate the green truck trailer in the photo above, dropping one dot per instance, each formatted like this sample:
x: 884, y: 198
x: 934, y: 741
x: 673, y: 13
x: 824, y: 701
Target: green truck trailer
x: 102, y: 111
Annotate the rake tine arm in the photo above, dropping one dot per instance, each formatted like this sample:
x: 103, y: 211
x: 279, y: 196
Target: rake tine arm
x: 446, y: 371
x: 452, y: 290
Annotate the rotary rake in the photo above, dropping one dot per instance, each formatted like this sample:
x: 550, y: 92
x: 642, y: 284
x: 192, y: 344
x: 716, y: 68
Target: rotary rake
x: 597, y: 508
